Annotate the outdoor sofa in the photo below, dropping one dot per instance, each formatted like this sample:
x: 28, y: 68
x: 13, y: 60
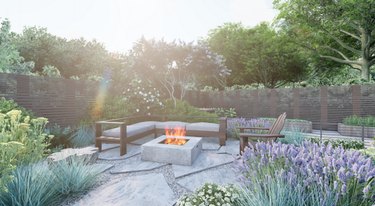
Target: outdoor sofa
x: 131, y: 128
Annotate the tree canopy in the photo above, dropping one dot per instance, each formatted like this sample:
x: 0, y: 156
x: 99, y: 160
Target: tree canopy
x: 341, y: 31
x: 257, y: 55
x: 10, y: 59
x: 176, y: 66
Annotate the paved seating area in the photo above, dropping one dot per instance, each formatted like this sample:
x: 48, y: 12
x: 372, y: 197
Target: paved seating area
x: 131, y: 181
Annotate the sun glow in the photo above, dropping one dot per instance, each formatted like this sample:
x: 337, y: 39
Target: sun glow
x: 97, y: 109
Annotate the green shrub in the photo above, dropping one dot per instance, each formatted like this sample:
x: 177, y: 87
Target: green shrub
x: 211, y: 194
x: 222, y: 112
x: 346, y: 144
x: 292, y: 137
x: 113, y: 107
x: 183, y: 111
x: 61, y: 137
x: 355, y: 120
x: 8, y: 105
x: 22, y: 141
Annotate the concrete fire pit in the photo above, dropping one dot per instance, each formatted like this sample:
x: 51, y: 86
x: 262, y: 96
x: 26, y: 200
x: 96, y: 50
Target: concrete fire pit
x: 157, y: 151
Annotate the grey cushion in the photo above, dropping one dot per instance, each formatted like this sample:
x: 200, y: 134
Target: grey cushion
x: 202, y: 126
x: 131, y: 130
x: 169, y: 124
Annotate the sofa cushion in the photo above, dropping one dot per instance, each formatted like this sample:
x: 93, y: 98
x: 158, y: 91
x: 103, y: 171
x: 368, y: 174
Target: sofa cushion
x: 170, y: 124
x: 131, y: 130
x: 203, y: 126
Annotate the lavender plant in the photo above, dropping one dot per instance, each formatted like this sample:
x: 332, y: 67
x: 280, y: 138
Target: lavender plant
x: 325, y: 175
x: 234, y: 123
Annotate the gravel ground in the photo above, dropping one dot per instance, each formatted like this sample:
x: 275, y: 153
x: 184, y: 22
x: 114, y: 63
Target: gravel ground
x: 108, y: 178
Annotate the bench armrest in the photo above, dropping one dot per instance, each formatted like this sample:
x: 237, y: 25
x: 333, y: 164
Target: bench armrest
x: 253, y: 128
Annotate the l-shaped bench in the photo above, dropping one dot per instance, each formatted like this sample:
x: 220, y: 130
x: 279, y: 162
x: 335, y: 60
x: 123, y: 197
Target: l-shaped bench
x: 132, y: 128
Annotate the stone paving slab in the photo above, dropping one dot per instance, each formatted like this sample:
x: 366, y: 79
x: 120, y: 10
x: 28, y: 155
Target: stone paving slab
x: 210, y: 143
x: 150, y: 189
x: 113, y: 153
x: 232, y: 146
x: 222, y: 175
x: 135, y: 164
x: 204, y: 161
x: 102, y: 167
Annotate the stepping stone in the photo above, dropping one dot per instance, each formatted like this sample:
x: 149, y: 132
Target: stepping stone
x: 87, y: 153
x: 222, y: 175
x: 113, y: 153
x: 135, y: 164
x: 150, y: 189
x: 209, y: 143
x: 204, y: 161
x: 232, y: 146
x: 102, y: 167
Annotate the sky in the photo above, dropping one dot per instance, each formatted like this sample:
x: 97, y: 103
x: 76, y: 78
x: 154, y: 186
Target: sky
x: 119, y: 23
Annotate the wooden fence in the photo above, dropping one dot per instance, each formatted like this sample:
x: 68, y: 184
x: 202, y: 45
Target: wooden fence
x: 62, y: 101
x: 324, y: 106
x: 65, y: 101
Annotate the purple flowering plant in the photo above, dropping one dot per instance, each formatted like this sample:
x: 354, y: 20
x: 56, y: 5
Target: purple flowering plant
x: 345, y: 177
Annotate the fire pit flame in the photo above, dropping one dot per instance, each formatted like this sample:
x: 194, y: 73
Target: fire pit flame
x: 175, y: 136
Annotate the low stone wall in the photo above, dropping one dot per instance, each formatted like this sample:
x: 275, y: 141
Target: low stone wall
x: 355, y: 131
x: 305, y: 126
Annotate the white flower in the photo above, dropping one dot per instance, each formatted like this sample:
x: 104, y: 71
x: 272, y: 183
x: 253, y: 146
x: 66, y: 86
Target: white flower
x: 137, y: 110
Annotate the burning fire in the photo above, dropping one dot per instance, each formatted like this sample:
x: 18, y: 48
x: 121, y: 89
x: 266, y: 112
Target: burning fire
x: 175, y: 136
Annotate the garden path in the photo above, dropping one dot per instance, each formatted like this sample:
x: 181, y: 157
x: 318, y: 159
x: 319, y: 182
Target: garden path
x: 131, y: 181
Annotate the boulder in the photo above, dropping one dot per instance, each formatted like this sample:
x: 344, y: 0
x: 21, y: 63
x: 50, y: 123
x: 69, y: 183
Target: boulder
x: 89, y: 154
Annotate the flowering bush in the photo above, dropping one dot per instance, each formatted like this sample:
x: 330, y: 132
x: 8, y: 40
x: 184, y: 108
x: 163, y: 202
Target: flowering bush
x: 22, y: 140
x: 234, y: 123
x: 211, y: 194
x: 143, y: 97
x: 324, y: 175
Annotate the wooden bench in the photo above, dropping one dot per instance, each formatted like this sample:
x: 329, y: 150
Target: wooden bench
x: 132, y: 128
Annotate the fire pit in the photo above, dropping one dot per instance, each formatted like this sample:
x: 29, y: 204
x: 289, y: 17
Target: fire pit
x: 180, y: 149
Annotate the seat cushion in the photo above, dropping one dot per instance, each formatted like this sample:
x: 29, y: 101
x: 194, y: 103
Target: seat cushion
x: 131, y: 130
x: 203, y: 126
x: 169, y: 124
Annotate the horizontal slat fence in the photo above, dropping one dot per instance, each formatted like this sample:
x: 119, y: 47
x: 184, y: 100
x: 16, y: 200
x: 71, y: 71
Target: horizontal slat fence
x: 325, y: 106
x: 62, y: 101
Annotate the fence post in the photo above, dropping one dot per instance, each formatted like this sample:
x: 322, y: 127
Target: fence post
x: 363, y: 132
x: 321, y: 132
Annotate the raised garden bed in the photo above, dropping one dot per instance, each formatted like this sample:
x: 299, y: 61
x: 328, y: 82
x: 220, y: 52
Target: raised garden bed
x: 355, y: 131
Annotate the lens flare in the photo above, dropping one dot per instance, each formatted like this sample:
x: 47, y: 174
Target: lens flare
x: 97, y: 109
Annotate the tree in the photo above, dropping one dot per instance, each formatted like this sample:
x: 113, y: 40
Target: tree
x: 175, y: 67
x: 76, y: 57
x: 10, y: 60
x: 229, y: 41
x: 341, y: 31
x: 272, y: 59
x: 258, y: 55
